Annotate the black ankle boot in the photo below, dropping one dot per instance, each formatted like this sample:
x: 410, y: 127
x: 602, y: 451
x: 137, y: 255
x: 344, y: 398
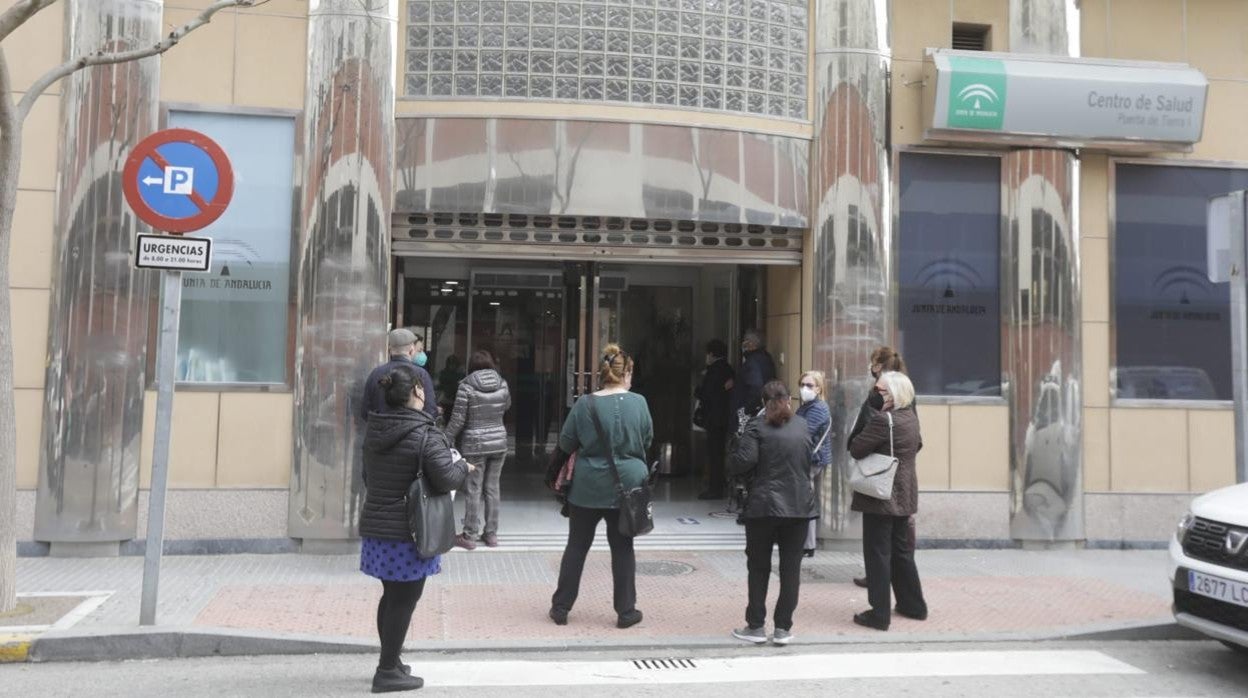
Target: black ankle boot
x: 870, y: 620
x: 628, y: 620
x: 391, y: 680
x: 558, y: 615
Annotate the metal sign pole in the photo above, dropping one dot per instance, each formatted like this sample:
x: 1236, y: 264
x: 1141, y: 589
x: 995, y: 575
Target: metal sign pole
x: 1239, y: 327
x: 166, y: 365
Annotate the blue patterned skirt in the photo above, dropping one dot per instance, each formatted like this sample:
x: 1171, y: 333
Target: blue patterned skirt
x: 395, y: 561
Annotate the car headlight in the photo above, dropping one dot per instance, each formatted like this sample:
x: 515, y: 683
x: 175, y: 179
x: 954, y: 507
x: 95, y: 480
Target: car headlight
x: 1185, y: 524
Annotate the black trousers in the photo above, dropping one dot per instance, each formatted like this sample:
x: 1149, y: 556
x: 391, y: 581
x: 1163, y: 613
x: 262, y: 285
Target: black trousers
x: 761, y: 536
x: 394, y: 615
x: 716, y: 445
x: 888, y: 550
x: 582, y: 527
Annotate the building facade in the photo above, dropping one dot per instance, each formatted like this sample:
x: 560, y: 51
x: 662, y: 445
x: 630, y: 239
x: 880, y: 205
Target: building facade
x: 1011, y: 191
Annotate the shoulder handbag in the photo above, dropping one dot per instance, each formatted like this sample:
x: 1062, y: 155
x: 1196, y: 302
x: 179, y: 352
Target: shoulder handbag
x: 873, y: 476
x: 430, y: 517
x: 636, y: 510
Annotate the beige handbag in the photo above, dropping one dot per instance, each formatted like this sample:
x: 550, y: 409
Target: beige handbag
x: 874, y: 475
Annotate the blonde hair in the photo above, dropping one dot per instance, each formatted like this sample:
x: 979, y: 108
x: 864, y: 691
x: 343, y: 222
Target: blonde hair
x: 819, y: 379
x: 900, y: 387
x: 614, y: 367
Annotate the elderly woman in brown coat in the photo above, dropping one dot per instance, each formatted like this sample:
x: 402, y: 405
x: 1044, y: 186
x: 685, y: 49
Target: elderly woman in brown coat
x: 887, y: 548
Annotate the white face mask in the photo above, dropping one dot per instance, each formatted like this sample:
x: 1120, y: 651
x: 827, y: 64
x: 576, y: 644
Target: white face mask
x: 808, y: 394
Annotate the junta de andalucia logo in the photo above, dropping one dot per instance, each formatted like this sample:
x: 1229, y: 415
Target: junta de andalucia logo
x: 976, y: 93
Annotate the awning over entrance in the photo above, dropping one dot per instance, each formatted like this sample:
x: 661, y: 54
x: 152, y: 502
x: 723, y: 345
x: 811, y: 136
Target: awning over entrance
x: 592, y: 238
x: 1062, y: 102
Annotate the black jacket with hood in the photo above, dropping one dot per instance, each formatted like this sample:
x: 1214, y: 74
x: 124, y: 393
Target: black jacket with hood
x: 777, y: 459
x: 398, y: 446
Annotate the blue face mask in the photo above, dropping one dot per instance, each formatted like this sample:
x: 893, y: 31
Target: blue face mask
x: 421, y: 359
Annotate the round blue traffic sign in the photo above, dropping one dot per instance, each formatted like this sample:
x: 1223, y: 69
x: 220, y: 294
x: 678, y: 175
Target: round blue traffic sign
x: 178, y: 180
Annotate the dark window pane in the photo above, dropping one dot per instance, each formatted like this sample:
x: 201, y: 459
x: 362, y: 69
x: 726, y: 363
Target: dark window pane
x: 948, y: 269
x: 1172, y: 323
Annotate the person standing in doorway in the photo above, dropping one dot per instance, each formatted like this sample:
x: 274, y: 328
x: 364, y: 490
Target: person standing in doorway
x: 819, y: 420
x: 476, y: 426
x: 714, y: 397
x: 883, y: 359
x: 757, y: 369
x: 405, y: 350
x: 887, y: 547
x: 401, y: 444
x: 774, y: 450
x: 594, y: 497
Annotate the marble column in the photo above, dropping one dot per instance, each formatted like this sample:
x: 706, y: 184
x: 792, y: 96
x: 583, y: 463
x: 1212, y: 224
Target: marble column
x: 98, y: 323
x: 344, y: 257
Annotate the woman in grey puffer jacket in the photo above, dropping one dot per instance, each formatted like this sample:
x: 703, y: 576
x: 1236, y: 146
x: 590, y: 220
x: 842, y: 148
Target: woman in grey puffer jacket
x: 476, y: 427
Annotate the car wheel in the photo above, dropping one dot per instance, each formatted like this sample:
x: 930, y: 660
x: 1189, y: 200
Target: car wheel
x: 1238, y: 648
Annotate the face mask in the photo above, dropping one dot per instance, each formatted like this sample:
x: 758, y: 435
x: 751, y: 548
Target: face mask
x: 876, y: 400
x: 808, y: 394
x: 421, y: 359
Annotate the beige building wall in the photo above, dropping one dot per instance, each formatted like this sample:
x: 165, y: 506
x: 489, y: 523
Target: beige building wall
x: 244, y: 60
x: 1130, y: 449
x: 965, y: 447
x: 31, y: 51
x: 784, y: 323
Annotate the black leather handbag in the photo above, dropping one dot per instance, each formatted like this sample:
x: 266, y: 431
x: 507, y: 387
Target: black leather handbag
x: 636, y: 508
x: 430, y: 516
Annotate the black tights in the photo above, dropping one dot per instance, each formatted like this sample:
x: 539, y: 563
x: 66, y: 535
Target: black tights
x: 394, y: 615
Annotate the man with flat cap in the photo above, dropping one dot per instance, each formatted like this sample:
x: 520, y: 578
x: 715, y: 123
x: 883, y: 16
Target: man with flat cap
x: 404, y: 346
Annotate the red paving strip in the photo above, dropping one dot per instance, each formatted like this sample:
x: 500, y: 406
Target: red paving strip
x: 701, y: 604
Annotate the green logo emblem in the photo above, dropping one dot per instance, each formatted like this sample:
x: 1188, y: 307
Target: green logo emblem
x: 976, y: 93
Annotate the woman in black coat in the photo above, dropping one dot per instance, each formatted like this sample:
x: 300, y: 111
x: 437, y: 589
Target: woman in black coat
x: 400, y: 445
x: 887, y: 546
x: 775, y: 452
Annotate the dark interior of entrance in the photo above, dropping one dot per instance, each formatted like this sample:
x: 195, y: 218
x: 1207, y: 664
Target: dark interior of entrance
x: 546, y: 325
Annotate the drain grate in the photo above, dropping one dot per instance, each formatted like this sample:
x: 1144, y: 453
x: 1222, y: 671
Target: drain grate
x: 663, y: 568
x: 660, y: 664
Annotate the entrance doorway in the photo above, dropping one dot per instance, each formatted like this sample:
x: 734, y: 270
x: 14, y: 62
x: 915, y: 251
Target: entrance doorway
x: 546, y: 324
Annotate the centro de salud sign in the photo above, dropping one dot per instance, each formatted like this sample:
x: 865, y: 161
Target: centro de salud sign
x: 1049, y: 101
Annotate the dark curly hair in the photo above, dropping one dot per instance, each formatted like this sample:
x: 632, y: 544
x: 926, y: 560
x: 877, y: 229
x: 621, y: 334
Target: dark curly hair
x: 778, y: 402
x: 398, y: 384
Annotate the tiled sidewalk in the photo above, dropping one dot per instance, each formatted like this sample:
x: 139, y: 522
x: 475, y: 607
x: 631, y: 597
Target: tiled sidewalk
x: 501, y: 599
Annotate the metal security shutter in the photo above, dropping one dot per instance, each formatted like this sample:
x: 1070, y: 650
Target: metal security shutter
x: 514, y: 236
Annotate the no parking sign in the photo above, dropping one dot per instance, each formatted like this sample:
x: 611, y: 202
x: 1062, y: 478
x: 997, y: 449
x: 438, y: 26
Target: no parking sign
x: 176, y: 180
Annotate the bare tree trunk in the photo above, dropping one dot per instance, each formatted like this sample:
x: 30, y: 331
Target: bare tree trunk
x: 10, y: 164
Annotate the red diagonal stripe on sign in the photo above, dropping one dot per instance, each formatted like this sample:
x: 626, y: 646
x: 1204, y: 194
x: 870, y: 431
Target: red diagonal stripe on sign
x: 164, y: 165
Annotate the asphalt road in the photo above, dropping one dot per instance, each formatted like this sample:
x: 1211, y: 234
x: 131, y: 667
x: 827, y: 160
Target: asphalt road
x: 1082, y: 668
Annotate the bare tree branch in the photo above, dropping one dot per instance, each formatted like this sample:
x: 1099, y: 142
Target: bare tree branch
x: 102, y: 58
x: 17, y: 15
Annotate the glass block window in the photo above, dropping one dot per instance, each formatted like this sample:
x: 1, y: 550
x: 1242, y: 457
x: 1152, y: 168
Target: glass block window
x: 732, y: 55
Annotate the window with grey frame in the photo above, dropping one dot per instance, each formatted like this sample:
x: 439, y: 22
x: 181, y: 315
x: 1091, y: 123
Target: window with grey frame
x: 1172, y: 324
x: 948, y: 272
x: 235, y: 318
x: 731, y: 55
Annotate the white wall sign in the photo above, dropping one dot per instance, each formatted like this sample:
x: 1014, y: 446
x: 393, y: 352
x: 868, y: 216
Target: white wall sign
x: 173, y: 253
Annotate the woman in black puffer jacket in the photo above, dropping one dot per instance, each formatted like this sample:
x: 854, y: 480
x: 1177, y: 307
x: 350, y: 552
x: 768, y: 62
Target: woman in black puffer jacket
x: 775, y: 452
x: 400, y: 445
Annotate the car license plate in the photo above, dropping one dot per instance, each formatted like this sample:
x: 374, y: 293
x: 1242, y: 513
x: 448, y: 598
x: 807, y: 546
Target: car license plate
x: 1218, y: 588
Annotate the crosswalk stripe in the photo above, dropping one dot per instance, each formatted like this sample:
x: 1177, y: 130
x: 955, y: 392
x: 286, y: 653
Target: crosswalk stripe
x: 810, y: 667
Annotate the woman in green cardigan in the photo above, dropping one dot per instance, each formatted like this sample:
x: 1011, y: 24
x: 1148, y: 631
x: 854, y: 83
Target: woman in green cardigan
x: 593, y: 497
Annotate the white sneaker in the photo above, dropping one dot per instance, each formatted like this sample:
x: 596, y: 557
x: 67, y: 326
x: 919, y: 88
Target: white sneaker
x: 755, y: 635
x: 781, y: 637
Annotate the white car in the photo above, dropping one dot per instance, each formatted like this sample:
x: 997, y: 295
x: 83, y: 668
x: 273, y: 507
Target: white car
x: 1209, y: 553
